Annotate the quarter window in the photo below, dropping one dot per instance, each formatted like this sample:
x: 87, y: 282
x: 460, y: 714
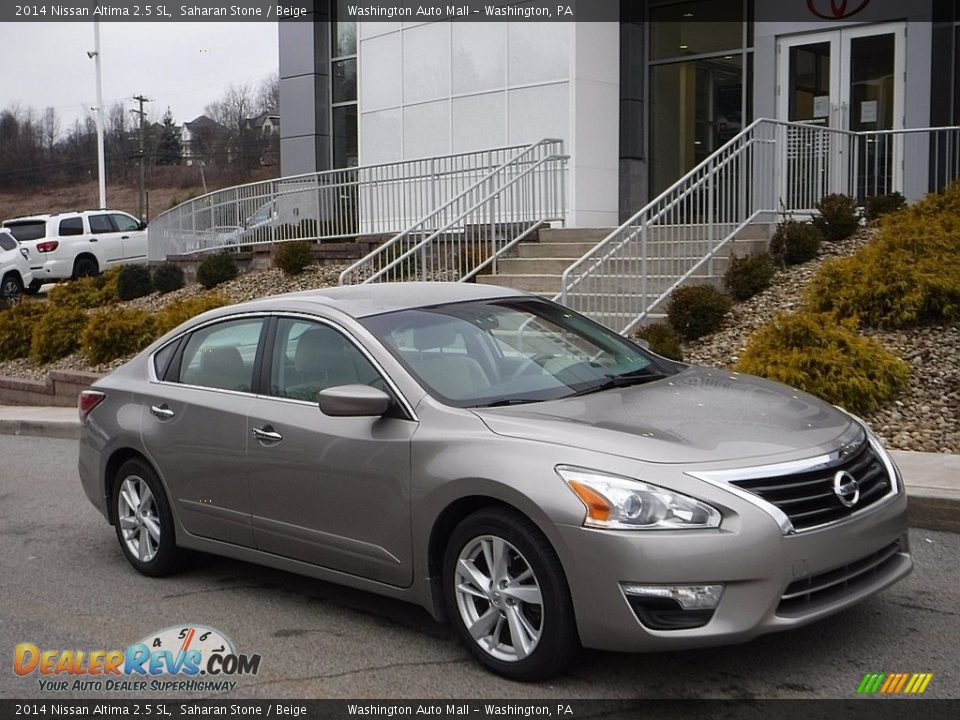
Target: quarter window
x: 222, y: 356
x: 71, y: 226
x: 7, y: 242
x: 309, y: 357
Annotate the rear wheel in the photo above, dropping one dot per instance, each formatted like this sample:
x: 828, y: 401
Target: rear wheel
x: 507, y: 596
x: 144, y: 523
x: 85, y: 267
x: 11, y: 288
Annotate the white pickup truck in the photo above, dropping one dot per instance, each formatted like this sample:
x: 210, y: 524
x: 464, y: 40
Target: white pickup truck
x: 78, y: 244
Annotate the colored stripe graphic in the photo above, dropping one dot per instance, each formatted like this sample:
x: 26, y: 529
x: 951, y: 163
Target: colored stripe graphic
x: 894, y: 683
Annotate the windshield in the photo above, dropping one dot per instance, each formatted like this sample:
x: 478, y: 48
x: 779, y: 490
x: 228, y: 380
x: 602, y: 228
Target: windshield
x: 505, y: 352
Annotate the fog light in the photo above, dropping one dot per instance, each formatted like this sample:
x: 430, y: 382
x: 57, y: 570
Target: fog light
x: 673, y: 607
x: 689, y: 597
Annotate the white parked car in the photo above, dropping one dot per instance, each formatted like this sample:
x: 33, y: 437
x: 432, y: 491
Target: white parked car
x: 78, y: 244
x: 15, y: 272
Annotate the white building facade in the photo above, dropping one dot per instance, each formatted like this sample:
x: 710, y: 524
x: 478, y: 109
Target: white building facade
x: 637, y: 100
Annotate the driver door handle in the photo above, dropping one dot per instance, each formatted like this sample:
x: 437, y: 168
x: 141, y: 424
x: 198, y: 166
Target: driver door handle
x: 267, y: 434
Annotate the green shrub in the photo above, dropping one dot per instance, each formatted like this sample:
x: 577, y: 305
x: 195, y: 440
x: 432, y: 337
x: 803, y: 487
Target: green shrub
x: 827, y: 358
x: 908, y: 275
x: 663, y: 340
x: 839, y: 217
x: 747, y: 276
x: 56, y: 334
x: 697, y: 310
x: 116, y: 332
x: 88, y: 292
x: 216, y: 269
x: 876, y: 206
x: 795, y: 242
x: 16, y: 328
x: 168, y: 277
x: 179, y: 312
x: 134, y: 281
x: 293, y: 256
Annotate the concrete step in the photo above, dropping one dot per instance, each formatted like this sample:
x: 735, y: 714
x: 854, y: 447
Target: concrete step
x: 539, y: 283
x: 533, y: 266
x: 617, y: 284
x: 577, y: 235
x: 571, y: 250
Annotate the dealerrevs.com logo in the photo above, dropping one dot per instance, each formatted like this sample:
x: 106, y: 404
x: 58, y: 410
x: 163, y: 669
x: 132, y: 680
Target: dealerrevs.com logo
x: 178, y: 658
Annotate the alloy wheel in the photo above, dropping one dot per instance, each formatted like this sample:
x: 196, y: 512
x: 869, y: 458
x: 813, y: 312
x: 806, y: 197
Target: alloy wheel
x: 138, y: 518
x: 499, y: 598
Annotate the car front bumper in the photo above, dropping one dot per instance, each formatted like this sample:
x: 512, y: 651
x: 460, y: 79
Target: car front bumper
x: 771, y: 581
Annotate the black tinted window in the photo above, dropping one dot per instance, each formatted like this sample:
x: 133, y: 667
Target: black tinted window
x: 7, y: 242
x: 71, y: 226
x: 100, y: 224
x: 125, y: 223
x: 28, y: 230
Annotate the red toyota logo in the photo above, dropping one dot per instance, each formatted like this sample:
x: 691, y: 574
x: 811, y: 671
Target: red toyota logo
x: 839, y: 9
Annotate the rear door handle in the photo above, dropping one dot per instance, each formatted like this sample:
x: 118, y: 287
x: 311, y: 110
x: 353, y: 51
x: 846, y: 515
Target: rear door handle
x: 124, y: 237
x: 267, y: 434
x: 93, y: 239
x: 162, y: 411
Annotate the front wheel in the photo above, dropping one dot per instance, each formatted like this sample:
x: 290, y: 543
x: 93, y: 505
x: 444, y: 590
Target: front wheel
x: 507, y: 596
x: 144, y: 522
x: 11, y: 288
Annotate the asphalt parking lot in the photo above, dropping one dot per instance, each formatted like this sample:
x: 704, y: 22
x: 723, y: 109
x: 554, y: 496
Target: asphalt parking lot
x: 65, y: 585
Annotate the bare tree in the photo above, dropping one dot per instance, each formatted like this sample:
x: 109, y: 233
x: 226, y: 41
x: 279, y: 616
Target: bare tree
x: 232, y: 111
x: 51, y: 130
x: 268, y: 95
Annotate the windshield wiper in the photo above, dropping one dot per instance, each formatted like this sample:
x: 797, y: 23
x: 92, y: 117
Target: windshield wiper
x: 505, y: 402
x: 620, y: 381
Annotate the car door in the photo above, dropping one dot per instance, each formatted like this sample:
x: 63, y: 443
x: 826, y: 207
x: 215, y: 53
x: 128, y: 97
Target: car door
x: 330, y: 491
x: 194, y: 425
x: 104, y: 240
x: 133, y: 239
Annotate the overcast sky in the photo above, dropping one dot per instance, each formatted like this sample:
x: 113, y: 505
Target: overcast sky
x: 185, y: 65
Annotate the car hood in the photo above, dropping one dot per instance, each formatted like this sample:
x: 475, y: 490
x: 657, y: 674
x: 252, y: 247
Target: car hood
x: 697, y: 415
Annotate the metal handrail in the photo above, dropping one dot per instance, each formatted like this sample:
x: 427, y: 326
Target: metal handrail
x: 394, y: 256
x: 324, y: 205
x: 769, y: 168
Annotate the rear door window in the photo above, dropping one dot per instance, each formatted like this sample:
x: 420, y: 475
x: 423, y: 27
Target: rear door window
x: 101, y: 224
x: 71, y: 226
x: 222, y: 356
x: 28, y: 229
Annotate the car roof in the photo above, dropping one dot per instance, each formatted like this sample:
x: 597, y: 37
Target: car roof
x: 66, y: 213
x: 375, y: 298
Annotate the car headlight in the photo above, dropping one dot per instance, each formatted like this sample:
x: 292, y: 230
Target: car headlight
x: 619, y: 503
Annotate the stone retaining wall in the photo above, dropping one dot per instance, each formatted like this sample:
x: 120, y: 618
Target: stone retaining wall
x: 60, y: 389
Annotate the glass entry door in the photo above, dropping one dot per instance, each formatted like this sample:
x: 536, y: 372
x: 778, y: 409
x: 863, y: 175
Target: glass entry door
x: 849, y: 80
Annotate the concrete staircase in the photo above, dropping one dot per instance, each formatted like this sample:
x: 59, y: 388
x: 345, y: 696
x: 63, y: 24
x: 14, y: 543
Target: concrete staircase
x: 538, y: 266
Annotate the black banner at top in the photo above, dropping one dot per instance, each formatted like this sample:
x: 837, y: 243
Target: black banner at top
x: 832, y: 11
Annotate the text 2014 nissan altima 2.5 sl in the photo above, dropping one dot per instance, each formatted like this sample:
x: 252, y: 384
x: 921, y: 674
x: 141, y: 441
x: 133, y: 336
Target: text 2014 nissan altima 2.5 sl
x: 513, y: 467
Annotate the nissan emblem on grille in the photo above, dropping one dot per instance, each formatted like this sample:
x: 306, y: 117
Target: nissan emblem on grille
x: 846, y: 487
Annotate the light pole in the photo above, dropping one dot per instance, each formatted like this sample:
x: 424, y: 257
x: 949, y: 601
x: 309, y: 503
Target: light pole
x: 101, y: 175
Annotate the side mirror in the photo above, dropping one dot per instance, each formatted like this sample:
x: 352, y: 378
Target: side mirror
x: 143, y: 225
x: 354, y: 401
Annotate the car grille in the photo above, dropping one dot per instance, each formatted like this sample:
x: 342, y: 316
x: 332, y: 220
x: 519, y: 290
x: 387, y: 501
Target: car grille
x: 804, y: 595
x: 808, y: 498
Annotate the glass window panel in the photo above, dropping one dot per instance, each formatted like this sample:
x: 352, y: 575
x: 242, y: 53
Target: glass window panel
x: 675, y: 30
x: 222, y: 356
x: 809, y: 80
x: 344, y: 80
x: 871, y: 82
x: 696, y: 107
x: 345, y: 136
x: 343, y: 39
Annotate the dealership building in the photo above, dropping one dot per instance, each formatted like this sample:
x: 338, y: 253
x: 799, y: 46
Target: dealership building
x: 637, y: 101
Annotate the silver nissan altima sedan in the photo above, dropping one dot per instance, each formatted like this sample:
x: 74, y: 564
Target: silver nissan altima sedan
x: 532, y: 477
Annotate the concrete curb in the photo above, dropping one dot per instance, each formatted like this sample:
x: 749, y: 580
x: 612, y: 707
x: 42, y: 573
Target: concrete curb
x: 932, y: 479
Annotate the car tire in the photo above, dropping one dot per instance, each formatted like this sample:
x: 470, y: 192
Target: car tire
x: 85, y: 267
x: 11, y: 288
x: 33, y: 288
x: 142, y: 514
x: 521, y: 609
